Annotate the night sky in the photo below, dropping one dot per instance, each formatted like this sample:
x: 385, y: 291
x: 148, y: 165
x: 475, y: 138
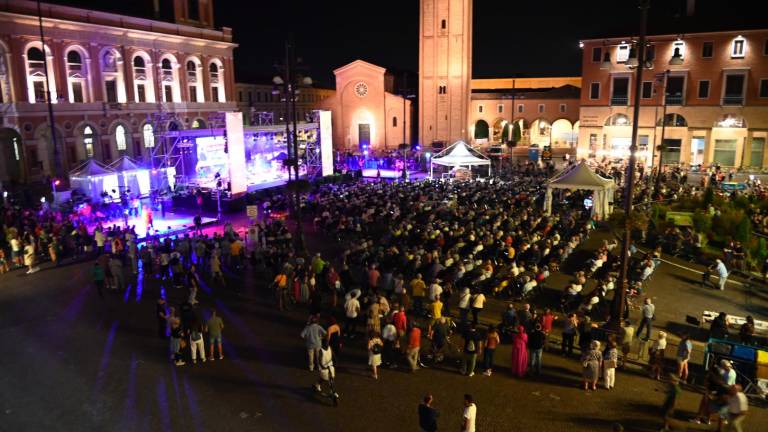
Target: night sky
x: 511, y: 38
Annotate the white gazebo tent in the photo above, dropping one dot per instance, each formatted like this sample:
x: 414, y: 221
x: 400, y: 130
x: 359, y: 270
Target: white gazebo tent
x: 581, y: 177
x: 459, y: 154
x: 131, y: 176
x: 93, y: 178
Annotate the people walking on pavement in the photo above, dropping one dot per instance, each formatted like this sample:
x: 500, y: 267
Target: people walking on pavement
x: 649, y: 312
x: 215, y: 326
x: 610, y: 362
x: 161, y: 309
x: 670, y: 400
x: 738, y: 406
x: 684, y: 349
x: 536, y: 341
x: 351, y: 310
x: 333, y: 334
x: 428, y: 415
x: 375, y: 348
x: 492, y: 341
x: 469, y: 415
x: 569, y: 333
x: 196, y: 344
x: 478, y: 303
x: 326, y: 370
x: 414, y: 345
x: 464, y: 305
x: 313, y: 335
x: 471, y: 348
x: 98, y: 278
x: 590, y: 365
x: 722, y: 273
x: 657, y: 355
x: 519, y: 364
x: 390, y: 339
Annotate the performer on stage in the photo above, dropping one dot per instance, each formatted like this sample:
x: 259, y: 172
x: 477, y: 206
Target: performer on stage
x: 148, y: 218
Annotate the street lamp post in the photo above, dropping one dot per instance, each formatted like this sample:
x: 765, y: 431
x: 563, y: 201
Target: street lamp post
x: 657, y: 185
x: 619, y: 298
x: 289, y: 82
x: 54, y: 140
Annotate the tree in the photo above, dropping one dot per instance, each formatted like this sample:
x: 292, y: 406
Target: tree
x: 743, y: 230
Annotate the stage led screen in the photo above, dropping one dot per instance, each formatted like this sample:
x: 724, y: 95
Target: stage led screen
x: 211, y: 159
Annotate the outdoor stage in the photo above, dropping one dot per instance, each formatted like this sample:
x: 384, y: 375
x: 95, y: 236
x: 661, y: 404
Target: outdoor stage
x: 392, y: 174
x: 174, y: 223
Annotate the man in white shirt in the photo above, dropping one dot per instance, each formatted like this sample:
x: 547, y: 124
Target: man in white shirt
x: 470, y: 414
x: 435, y: 290
x: 737, y: 408
x: 351, y: 309
x: 478, y: 303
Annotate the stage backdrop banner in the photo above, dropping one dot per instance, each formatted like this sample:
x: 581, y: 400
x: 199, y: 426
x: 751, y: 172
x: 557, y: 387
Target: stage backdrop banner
x: 326, y: 143
x: 236, y: 147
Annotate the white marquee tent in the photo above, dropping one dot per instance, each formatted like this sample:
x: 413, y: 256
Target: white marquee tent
x: 581, y: 177
x: 459, y: 154
x: 93, y: 178
x: 131, y: 176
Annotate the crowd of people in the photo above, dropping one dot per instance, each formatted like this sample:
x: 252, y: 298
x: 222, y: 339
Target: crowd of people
x: 417, y: 265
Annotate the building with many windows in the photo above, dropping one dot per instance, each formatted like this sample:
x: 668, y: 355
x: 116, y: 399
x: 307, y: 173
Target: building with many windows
x: 525, y: 111
x: 706, y: 93
x: 261, y: 106
x: 108, y: 74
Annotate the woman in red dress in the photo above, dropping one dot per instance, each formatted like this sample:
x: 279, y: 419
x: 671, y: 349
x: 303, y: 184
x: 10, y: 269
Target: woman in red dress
x: 519, y: 352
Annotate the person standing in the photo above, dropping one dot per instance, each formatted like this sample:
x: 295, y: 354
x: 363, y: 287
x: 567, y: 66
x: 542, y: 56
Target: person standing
x: 98, y: 279
x: 569, y: 333
x: 657, y: 355
x: 547, y: 320
x: 30, y: 258
x: 519, y: 352
x: 215, y: 325
x: 478, y: 303
x: 469, y: 416
x: 313, y: 335
x: 722, y: 273
x: 418, y: 292
x: 738, y: 405
x: 648, y: 311
x: 177, y: 333
x: 414, y: 344
x: 334, y: 337
x: 375, y: 348
x: 428, y: 415
x: 492, y: 341
x: 196, y: 344
x: 471, y: 347
x: 536, y: 341
x: 351, y: 309
x: 464, y: 305
x: 683, y: 355
x: 590, y: 362
x: 389, y: 337
x: 670, y: 400
x: 610, y: 361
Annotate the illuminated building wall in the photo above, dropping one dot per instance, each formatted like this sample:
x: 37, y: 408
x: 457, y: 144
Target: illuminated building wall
x: 108, y: 74
x: 363, y: 112
x: 445, y: 70
x: 715, y: 92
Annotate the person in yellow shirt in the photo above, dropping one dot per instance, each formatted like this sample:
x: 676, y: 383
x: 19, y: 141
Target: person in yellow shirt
x: 418, y: 292
x: 235, y: 251
x: 436, y: 310
x: 281, y: 284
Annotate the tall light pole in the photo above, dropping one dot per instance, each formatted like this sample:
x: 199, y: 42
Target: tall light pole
x: 289, y: 82
x: 657, y: 185
x: 619, y: 298
x: 54, y: 141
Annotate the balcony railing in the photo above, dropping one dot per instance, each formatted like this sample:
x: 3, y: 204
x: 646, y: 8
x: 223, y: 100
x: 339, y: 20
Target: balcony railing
x: 673, y: 99
x: 733, y: 100
x: 619, y: 100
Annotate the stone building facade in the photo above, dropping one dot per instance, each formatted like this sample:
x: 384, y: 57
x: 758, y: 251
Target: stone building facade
x: 108, y: 74
x: 713, y: 86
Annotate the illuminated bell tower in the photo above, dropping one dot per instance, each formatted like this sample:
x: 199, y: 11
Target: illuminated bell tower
x: 445, y: 70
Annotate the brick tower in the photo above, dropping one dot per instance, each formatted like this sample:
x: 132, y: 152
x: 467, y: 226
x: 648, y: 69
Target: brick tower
x: 445, y: 70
